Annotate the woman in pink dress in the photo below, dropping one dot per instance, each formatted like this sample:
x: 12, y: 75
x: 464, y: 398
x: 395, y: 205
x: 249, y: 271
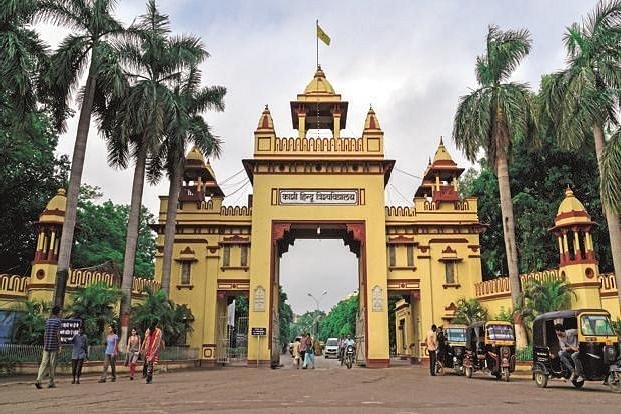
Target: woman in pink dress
x: 151, y: 346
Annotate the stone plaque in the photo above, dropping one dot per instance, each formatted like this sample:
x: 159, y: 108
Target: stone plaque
x: 259, y: 299
x: 377, y: 298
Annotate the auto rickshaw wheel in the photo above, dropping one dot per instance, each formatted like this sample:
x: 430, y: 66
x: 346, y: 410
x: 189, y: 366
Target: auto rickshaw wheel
x: 439, y: 368
x: 506, y: 374
x: 614, y: 382
x: 468, y: 372
x: 577, y: 384
x: 541, y: 379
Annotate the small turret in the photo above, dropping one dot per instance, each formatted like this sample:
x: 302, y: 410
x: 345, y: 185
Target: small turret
x: 441, y: 177
x: 199, y: 179
x: 266, y: 124
x: 49, y: 228
x: 578, y: 266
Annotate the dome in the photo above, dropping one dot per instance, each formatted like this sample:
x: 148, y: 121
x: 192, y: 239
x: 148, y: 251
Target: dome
x: 570, y: 204
x: 195, y: 155
x: 442, y: 154
x: 58, y: 202
x: 55, y: 210
x: 319, y: 85
x: 571, y: 211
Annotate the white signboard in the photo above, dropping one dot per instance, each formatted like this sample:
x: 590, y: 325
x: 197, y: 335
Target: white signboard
x: 305, y: 197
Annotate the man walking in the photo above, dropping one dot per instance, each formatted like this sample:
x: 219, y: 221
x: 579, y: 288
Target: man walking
x: 51, y: 346
x: 432, y: 347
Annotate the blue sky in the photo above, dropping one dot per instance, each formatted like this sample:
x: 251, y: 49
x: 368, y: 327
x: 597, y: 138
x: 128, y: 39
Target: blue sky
x: 411, y: 60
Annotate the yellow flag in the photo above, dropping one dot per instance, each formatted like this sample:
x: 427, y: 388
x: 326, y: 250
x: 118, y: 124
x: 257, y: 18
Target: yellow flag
x: 322, y: 35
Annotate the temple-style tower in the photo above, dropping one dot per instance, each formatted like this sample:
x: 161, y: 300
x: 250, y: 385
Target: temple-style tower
x: 199, y: 180
x: 49, y: 228
x: 572, y: 227
x: 441, y: 177
x: 319, y: 108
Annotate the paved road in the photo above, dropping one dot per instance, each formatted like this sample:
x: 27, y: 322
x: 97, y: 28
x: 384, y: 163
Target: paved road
x: 330, y: 388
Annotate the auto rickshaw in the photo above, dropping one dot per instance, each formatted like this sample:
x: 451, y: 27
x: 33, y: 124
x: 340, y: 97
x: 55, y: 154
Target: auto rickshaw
x: 490, y: 347
x: 451, y: 352
x: 598, y: 346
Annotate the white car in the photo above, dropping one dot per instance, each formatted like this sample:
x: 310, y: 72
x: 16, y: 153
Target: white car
x: 332, y: 348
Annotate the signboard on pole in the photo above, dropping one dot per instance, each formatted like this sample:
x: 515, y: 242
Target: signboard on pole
x: 258, y: 331
x: 68, y: 329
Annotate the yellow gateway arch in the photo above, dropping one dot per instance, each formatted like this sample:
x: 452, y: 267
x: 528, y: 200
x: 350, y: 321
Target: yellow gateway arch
x: 321, y: 186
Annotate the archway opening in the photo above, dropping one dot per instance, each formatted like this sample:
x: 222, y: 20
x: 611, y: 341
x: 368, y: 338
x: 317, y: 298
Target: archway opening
x: 322, y: 277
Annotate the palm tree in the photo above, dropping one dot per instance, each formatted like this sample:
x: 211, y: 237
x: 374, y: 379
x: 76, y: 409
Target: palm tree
x: 92, y: 23
x: 24, y: 55
x: 175, y: 320
x: 547, y: 296
x: 95, y: 305
x: 544, y: 296
x: 495, y: 117
x: 186, y: 126
x: 154, y: 62
x: 611, y: 173
x: 583, y: 100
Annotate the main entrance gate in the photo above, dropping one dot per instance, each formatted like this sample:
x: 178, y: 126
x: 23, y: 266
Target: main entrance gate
x: 320, y: 185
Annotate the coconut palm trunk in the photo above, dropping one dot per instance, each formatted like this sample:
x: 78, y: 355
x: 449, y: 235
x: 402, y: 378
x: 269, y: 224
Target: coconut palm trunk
x: 612, y: 218
x: 169, y: 229
x: 132, y: 239
x: 75, y: 178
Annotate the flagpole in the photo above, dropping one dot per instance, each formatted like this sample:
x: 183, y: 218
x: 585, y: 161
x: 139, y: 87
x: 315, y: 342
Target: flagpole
x: 317, y: 40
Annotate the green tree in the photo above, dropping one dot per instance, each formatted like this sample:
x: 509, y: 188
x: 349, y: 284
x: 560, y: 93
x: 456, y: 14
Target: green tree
x: 341, y: 320
x: 154, y: 61
x: 495, y: 117
x: 174, y: 320
x: 186, y: 126
x: 100, y: 237
x: 539, y: 177
x: 469, y: 311
x: 583, y: 99
x: 96, y: 306
x: 29, y: 325
x: 285, y: 317
x: 91, y: 23
x: 30, y: 176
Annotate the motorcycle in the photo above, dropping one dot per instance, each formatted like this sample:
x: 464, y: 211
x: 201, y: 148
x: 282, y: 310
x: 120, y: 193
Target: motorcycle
x: 348, y: 356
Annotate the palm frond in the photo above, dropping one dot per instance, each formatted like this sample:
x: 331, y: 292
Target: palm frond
x: 472, y: 123
x: 610, y: 180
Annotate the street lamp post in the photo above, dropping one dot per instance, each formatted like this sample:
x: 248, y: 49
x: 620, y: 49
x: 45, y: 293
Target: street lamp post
x: 316, y: 319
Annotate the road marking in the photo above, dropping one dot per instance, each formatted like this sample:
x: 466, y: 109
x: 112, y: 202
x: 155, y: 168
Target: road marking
x: 371, y: 402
